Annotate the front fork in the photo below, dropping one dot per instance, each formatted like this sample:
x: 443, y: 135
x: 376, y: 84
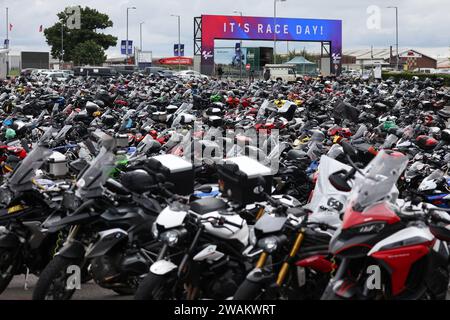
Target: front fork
x: 286, y: 264
x: 72, y: 234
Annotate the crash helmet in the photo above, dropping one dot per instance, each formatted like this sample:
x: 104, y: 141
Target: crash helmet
x: 91, y: 107
x: 445, y: 135
x: 10, y: 133
x: 216, y: 98
x: 426, y: 142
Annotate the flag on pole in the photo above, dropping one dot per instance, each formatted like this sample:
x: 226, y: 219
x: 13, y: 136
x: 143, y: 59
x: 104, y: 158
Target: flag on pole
x: 10, y: 26
x: 40, y: 28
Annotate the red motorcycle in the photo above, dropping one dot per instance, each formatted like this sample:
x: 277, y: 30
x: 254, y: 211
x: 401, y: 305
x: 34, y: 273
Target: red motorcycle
x: 387, y: 251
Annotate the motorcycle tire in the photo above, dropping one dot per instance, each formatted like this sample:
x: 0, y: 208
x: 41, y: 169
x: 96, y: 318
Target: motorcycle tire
x: 154, y: 287
x: 329, y: 294
x: 125, y: 291
x: 6, y: 260
x: 248, y: 290
x: 53, y: 272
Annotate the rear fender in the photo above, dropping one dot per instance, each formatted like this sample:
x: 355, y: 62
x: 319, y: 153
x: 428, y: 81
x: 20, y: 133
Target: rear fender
x: 73, y: 250
x: 261, y: 276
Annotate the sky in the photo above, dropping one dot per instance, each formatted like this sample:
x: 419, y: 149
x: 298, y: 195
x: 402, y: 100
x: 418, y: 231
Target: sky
x: 423, y: 25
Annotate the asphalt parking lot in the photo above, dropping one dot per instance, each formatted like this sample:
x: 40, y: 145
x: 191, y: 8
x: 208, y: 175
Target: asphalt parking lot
x: 88, y: 291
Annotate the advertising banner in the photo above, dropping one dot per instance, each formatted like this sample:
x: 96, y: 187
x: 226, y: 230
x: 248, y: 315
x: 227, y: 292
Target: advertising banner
x: 176, y: 61
x: 176, y: 52
x: 266, y: 28
x: 230, y: 57
x: 123, y: 49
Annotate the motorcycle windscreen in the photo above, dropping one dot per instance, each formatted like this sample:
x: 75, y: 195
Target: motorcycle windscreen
x: 95, y: 176
x: 380, y: 177
x: 62, y: 133
x: 184, y: 108
x: 327, y: 202
x: 48, y: 135
x: 430, y: 182
x: 389, y: 142
x: 26, y: 170
x: 262, y: 109
x: 362, y: 130
x: 414, y: 170
x: 125, y: 122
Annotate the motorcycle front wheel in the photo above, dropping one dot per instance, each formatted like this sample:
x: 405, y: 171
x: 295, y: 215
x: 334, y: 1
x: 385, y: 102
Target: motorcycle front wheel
x: 53, y: 281
x: 249, y: 290
x: 155, y: 287
x: 329, y: 294
x: 7, y: 267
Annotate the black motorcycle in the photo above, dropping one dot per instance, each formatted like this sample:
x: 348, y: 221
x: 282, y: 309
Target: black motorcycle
x: 24, y: 246
x: 109, y: 232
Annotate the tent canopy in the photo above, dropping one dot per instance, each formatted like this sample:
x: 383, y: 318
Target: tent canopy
x: 300, y: 60
x: 303, y: 66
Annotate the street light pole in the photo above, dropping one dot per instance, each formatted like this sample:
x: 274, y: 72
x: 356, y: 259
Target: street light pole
x: 126, y: 44
x: 7, y: 40
x: 396, y: 34
x: 62, y: 44
x: 274, y: 29
x: 179, y: 40
x: 240, y: 51
x: 140, y: 35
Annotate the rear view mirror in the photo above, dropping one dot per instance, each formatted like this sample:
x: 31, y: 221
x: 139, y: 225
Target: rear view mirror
x: 339, y: 180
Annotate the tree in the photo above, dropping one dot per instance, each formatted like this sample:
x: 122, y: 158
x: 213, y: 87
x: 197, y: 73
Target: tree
x: 77, y: 40
x: 89, y: 52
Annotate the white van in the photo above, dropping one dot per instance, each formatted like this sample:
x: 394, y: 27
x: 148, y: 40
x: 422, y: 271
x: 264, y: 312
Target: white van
x: 426, y: 70
x: 284, y: 72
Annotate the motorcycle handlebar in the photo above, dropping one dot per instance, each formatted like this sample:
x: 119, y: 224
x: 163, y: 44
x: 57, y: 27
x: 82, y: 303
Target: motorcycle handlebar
x: 222, y: 221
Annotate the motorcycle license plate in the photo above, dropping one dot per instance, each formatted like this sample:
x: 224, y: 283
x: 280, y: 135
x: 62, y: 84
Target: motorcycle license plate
x: 15, y: 208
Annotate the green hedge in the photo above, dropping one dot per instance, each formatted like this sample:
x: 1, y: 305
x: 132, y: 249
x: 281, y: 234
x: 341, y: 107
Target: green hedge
x: 409, y: 75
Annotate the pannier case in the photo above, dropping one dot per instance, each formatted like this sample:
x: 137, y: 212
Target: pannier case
x: 177, y: 170
x: 239, y: 180
x: 57, y: 165
x: 121, y: 140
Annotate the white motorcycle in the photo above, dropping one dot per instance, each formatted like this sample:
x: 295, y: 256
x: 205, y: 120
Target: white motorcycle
x: 201, y: 257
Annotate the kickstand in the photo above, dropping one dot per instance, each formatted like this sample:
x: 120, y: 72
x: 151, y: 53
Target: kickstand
x: 25, y: 286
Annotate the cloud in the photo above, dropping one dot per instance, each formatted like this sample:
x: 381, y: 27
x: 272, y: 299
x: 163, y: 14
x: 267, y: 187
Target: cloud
x: 423, y: 24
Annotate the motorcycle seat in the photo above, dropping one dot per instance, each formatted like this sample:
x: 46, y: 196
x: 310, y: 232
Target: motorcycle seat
x: 206, y: 205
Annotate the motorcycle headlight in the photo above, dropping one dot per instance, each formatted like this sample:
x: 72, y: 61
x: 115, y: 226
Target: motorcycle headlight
x: 369, y: 228
x: 170, y: 237
x: 155, y: 232
x: 269, y: 244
